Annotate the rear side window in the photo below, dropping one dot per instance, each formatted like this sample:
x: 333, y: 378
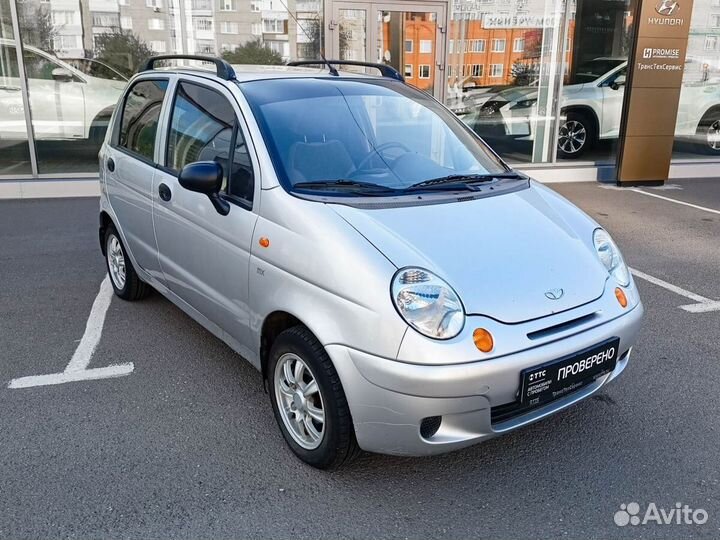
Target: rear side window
x: 140, y: 114
x: 204, y: 127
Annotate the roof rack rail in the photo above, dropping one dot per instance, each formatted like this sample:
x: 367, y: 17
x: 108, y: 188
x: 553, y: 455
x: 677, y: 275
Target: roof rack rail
x: 385, y: 70
x: 224, y: 70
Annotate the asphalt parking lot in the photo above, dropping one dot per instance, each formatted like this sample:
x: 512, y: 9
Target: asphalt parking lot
x: 186, y: 446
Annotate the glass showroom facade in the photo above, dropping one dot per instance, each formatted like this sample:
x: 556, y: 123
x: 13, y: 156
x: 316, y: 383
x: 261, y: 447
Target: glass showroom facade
x: 541, y: 80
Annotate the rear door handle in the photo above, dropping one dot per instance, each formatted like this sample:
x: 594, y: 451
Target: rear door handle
x: 111, y: 164
x: 164, y: 192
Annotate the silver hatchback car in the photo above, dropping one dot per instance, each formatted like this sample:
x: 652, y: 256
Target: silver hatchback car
x: 400, y: 288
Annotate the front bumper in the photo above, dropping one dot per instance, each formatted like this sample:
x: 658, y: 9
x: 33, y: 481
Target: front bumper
x: 389, y: 399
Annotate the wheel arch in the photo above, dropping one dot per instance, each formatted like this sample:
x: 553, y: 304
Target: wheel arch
x: 105, y: 222
x: 587, y: 111
x: 713, y: 109
x: 273, y: 325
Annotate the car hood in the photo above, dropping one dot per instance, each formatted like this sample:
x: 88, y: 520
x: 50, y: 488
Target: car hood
x: 506, y: 256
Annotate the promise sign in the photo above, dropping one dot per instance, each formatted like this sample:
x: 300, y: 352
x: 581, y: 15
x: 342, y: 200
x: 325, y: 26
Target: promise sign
x: 654, y: 81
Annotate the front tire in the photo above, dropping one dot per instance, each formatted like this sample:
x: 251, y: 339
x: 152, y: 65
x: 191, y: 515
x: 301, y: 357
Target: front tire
x: 125, y: 281
x: 309, y: 402
x: 575, y: 136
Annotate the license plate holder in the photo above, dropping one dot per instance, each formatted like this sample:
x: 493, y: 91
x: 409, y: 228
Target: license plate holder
x: 557, y: 378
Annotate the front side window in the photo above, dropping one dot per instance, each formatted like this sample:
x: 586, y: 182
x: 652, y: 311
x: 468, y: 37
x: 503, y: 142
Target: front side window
x: 140, y: 114
x: 377, y: 132
x: 203, y: 127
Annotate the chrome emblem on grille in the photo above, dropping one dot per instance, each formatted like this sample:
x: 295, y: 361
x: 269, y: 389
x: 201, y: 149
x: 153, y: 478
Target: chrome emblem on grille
x: 554, y: 294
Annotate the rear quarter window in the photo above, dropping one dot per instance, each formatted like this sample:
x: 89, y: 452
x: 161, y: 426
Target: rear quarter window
x: 139, y: 117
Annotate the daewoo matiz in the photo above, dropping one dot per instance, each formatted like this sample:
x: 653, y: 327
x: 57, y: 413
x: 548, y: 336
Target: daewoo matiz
x: 401, y: 289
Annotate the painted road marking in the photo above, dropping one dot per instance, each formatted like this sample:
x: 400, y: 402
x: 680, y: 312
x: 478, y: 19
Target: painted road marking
x: 697, y: 207
x: 703, y: 304
x: 77, y: 369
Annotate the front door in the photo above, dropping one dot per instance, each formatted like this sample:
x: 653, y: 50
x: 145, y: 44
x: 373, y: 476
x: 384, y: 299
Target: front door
x: 205, y: 255
x: 408, y: 36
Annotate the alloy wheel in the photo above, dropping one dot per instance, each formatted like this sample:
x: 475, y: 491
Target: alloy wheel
x: 299, y: 401
x: 116, y: 262
x: 572, y: 137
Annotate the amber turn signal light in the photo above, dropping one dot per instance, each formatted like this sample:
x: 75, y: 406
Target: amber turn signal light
x: 264, y: 242
x: 620, y: 295
x: 483, y: 340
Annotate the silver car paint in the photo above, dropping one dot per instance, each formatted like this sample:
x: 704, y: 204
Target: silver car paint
x: 331, y: 266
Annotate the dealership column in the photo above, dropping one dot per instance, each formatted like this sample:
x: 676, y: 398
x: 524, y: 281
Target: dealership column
x: 654, y: 79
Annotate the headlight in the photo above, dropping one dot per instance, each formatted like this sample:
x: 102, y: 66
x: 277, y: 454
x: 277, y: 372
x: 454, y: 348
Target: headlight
x: 611, y: 257
x: 427, y: 303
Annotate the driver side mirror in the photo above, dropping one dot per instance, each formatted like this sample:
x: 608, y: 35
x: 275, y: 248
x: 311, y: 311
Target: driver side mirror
x: 205, y: 177
x: 618, y: 82
x: 61, y: 74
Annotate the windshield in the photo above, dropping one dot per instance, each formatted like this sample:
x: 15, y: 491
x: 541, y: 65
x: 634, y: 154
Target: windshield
x: 592, y: 70
x: 369, y: 133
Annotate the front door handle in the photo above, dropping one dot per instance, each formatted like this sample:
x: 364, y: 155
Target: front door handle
x: 111, y: 164
x: 164, y: 191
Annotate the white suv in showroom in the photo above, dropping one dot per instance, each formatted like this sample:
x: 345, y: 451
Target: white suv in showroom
x: 65, y: 103
x: 592, y: 109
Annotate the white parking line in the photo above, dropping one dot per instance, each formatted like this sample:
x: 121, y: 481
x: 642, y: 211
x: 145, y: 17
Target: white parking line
x: 703, y: 304
x: 77, y: 369
x: 697, y: 207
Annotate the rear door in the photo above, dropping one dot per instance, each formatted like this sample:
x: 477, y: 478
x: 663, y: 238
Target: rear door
x: 205, y: 256
x: 130, y: 163
x: 613, y: 92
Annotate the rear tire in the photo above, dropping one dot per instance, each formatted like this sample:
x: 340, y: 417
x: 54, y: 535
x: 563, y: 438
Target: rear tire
x: 576, y: 135
x: 125, y: 281
x: 309, y: 402
x: 709, y: 134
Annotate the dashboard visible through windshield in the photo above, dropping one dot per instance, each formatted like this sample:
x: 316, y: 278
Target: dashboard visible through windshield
x: 368, y: 137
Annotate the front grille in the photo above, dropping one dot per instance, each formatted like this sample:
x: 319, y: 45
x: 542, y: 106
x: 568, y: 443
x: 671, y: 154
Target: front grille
x: 508, y: 411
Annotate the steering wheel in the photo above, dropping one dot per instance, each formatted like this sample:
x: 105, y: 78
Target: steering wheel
x: 379, y: 150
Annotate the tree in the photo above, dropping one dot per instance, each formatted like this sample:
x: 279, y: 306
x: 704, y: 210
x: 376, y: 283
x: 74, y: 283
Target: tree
x: 253, y: 52
x: 523, y: 74
x: 124, y: 51
x: 36, y: 26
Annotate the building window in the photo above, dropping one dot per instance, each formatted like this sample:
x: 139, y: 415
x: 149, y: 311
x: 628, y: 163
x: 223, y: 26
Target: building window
x: 65, y: 43
x: 477, y: 70
x: 229, y: 28
x: 714, y: 21
x: 158, y: 46
x: 228, y: 47
x: 156, y: 24
x: 126, y: 23
x: 408, y: 46
x: 202, y: 5
x: 255, y: 6
x: 498, y: 45
x: 205, y: 46
x: 711, y: 42
x: 408, y: 71
x: 227, y: 5
x: 273, y: 26
x: 280, y: 47
x: 519, y: 45
x: 424, y: 71
x: 203, y: 24
x: 496, y: 70
x: 63, y: 17
x: 154, y: 3
x: 475, y: 45
x: 425, y: 46
x: 256, y: 29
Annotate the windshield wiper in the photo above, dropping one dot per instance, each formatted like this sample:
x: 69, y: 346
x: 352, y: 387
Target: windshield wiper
x: 356, y: 186
x: 463, y: 181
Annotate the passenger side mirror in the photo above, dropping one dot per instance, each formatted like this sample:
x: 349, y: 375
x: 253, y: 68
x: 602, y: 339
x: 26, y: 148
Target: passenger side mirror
x: 618, y: 82
x: 205, y: 177
x: 62, y: 75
